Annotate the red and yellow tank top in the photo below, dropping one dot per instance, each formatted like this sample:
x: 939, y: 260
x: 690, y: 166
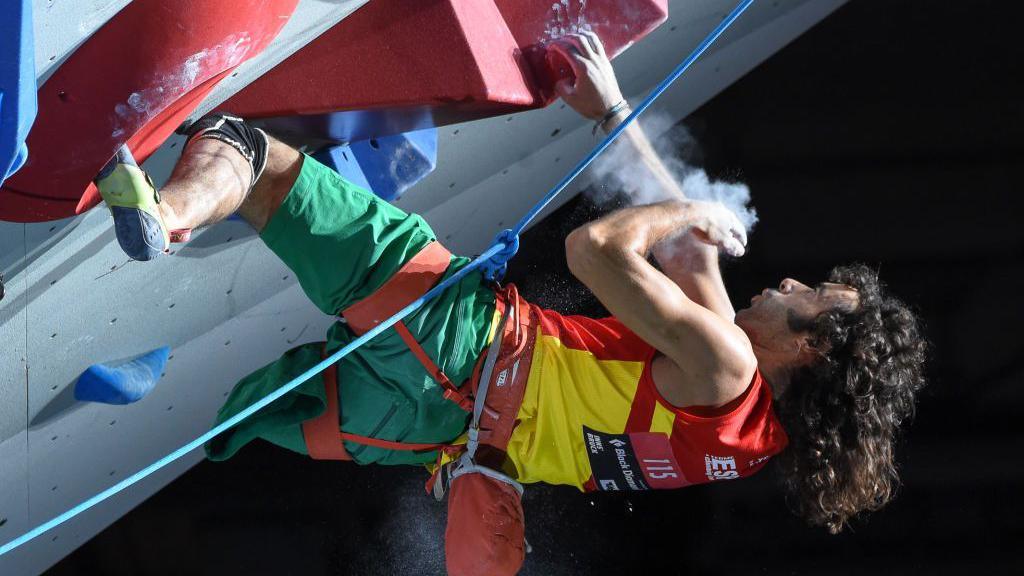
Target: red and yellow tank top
x: 592, y: 418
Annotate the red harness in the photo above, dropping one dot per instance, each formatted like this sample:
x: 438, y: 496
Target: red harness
x: 325, y: 440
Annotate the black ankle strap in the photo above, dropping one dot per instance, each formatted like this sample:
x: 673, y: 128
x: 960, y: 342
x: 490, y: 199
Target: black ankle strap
x: 251, y: 143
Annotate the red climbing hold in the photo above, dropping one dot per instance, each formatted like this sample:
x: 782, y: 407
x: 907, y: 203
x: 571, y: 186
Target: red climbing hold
x: 397, y: 66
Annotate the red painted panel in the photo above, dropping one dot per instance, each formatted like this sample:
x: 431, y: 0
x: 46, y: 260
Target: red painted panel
x: 399, y: 65
x: 398, y: 54
x: 133, y: 81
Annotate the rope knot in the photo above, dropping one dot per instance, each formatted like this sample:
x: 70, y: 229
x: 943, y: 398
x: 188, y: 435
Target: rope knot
x: 495, y: 266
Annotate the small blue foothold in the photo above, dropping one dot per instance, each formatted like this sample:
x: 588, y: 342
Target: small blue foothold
x: 124, y: 383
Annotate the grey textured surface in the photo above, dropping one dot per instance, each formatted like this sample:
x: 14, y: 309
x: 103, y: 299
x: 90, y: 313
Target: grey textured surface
x: 224, y: 304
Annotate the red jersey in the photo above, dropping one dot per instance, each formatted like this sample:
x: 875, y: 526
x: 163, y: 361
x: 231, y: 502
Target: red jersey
x: 592, y: 417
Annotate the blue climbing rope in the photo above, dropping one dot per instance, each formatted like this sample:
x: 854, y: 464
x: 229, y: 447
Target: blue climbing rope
x: 492, y: 262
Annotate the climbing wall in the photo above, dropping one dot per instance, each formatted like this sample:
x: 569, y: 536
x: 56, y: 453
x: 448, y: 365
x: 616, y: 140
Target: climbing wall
x: 223, y: 303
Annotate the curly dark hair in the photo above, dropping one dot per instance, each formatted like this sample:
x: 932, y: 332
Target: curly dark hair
x: 842, y: 413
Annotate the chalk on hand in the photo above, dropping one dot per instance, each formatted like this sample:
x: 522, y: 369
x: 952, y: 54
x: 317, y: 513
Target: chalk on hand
x: 124, y: 383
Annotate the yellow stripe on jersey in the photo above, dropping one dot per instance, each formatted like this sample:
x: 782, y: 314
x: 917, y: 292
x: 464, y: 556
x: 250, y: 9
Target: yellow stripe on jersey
x: 568, y: 389
x: 663, y: 419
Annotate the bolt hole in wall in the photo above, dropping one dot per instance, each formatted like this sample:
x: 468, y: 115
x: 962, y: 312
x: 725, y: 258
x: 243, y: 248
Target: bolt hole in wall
x: 2, y: 522
x: 374, y: 144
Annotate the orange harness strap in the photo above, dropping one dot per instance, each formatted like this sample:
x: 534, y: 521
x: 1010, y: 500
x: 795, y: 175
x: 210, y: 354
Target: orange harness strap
x: 324, y: 440
x: 414, y: 279
x: 321, y: 433
x: 451, y: 392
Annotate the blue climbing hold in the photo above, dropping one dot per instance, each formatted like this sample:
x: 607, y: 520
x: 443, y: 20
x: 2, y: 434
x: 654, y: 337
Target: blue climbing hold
x: 393, y: 164
x: 122, y: 383
x: 386, y: 166
x: 342, y: 160
x: 17, y: 84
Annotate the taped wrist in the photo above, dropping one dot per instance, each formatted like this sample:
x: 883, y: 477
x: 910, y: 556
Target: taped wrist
x: 251, y: 143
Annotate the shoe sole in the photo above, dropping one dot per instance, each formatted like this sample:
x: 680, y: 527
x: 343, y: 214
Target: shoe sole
x: 139, y: 233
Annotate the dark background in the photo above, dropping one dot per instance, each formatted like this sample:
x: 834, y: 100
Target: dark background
x: 888, y: 134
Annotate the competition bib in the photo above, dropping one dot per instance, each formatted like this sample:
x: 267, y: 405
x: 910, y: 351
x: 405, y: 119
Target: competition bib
x: 633, y: 461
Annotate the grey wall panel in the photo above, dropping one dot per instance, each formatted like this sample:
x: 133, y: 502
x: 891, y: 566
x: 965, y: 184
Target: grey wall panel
x: 13, y: 329
x: 14, y: 480
x: 14, y: 500
x: 60, y: 26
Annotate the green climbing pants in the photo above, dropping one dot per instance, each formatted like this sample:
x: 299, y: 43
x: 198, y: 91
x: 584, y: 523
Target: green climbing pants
x: 343, y: 243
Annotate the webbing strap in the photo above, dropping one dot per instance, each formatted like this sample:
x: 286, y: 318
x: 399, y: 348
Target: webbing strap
x: 388, y: 444
x: 451, y: 392
x: 422, y: 271
x: 321, y: 433
x: 476, y: 264
x: 324, y: 439
x: 480, y: 401
x: 467, y: 466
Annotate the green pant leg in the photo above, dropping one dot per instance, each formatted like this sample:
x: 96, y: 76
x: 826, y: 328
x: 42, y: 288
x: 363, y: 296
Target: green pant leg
x: 342, y: 242
x: 281, y: 421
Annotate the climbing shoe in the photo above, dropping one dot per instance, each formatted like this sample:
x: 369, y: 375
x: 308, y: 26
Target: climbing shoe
x: 134, y: 203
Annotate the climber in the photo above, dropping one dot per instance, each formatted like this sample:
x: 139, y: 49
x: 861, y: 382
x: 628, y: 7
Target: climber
x: 674, y: 389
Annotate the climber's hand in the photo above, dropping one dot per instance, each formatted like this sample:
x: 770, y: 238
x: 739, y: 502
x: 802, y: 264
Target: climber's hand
x: 595, y: 89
